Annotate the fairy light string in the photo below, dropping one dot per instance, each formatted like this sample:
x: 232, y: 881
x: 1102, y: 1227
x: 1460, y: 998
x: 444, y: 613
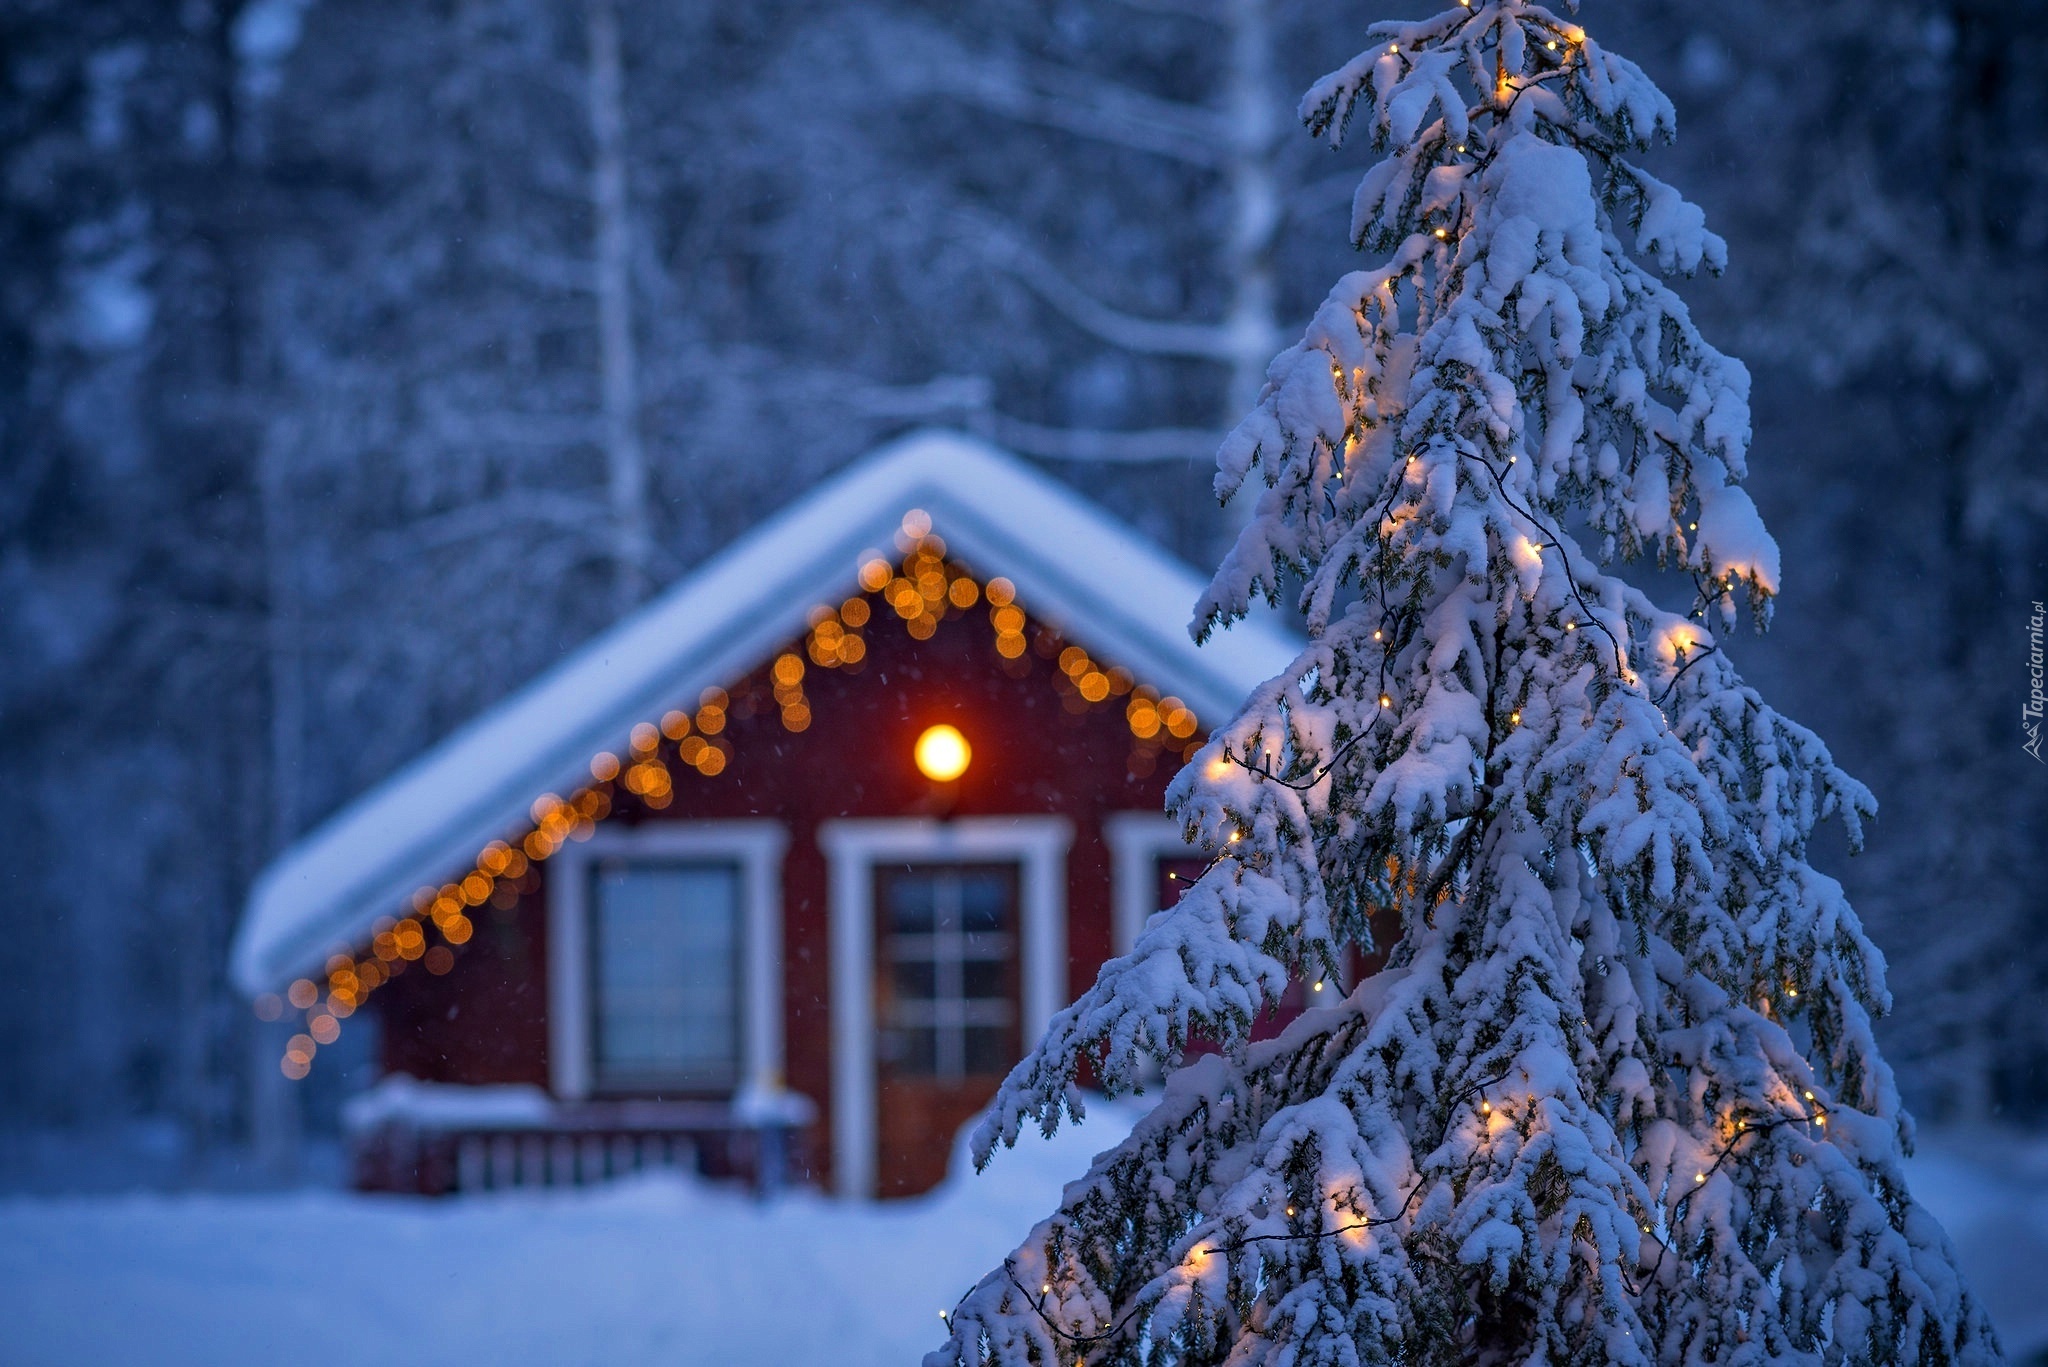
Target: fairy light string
x: 1562, y: 44
x: 1550, y: 540
x: 1744, y: 1127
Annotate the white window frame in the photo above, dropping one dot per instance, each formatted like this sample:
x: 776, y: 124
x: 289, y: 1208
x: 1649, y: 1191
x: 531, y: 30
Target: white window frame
x: 757, y: 848
x: 1137, y: 842
x: 854, y: 848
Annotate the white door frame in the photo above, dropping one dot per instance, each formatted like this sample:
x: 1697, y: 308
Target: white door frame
x: 1137, y: 842
x: 853, y: 849
x: 757, y: 847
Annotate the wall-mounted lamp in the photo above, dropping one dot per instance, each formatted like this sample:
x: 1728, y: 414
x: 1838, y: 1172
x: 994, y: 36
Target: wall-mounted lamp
x: 942, y: 753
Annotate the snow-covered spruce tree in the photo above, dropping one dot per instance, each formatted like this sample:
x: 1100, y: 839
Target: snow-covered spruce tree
x: 1615, y: 1098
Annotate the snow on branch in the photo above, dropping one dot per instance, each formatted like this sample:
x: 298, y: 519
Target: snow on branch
x: 1054, y: 96
x: 1138, y: 446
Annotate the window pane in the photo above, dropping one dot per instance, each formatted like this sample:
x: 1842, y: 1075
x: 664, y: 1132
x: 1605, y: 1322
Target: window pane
x: 985, y: 945
x: 911, y: 903
x: 666, y: 965
x: 987, y: 1049
x: 914, y: 979
x: 981, y: 978
x: 984, y: 899
x: 947, y: 968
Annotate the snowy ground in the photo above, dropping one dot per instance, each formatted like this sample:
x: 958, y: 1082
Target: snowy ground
x: 657, y: 1272
x: 1991, y: 1192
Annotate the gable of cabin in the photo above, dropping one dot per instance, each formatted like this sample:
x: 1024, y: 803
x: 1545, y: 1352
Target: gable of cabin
x: 811, y: 747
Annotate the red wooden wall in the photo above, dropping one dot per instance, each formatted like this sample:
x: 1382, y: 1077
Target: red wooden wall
x: 1037, y: 749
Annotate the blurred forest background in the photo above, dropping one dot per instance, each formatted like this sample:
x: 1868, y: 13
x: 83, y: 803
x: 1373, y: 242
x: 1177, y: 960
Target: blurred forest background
x: 360, y: 357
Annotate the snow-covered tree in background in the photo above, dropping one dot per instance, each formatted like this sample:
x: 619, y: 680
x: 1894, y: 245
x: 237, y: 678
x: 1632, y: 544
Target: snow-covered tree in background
x: 1615, y: 1097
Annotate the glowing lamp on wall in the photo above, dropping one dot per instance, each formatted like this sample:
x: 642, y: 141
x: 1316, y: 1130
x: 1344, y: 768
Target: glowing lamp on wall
x: 942, y: 754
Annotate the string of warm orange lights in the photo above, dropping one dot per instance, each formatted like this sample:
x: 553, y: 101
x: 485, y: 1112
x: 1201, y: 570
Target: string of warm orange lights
x: 1734, y: 1128
x: 923, y: 588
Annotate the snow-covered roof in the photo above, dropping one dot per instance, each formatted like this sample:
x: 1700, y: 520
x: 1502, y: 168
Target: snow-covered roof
x: 1093, y: 578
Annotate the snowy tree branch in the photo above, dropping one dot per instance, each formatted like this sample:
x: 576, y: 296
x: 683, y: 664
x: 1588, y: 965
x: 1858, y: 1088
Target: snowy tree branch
x: 493, y: 517
x: 1145, y: 336
x: 1083, y: 444
x: 1078, y: 103
x: 1208, y: 11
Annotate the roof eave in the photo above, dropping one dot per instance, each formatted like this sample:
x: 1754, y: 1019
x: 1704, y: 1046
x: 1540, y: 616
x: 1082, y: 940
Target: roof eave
x: 715, y: 626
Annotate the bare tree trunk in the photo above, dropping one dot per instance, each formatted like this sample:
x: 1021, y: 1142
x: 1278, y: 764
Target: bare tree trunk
x: 274, y: 1116
x: 1252, y: 100
x: 283, y: 638
x: 195, y: 995
x: 625, y: 462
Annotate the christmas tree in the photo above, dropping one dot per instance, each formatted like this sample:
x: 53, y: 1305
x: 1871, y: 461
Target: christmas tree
x: 1615, y: 1097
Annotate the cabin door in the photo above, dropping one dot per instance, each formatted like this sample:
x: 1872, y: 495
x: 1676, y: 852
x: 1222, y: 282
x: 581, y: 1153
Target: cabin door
x: 947, y: 1009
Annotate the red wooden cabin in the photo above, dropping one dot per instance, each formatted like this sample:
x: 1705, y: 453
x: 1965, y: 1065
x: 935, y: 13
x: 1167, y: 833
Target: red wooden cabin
x: 690, y: 897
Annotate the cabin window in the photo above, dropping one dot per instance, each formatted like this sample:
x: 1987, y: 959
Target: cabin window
x: 665, y: 958
x: 950, y: 946
x: 1152, y: 865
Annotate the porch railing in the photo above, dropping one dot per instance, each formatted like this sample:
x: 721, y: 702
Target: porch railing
x: 499, y: 1138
